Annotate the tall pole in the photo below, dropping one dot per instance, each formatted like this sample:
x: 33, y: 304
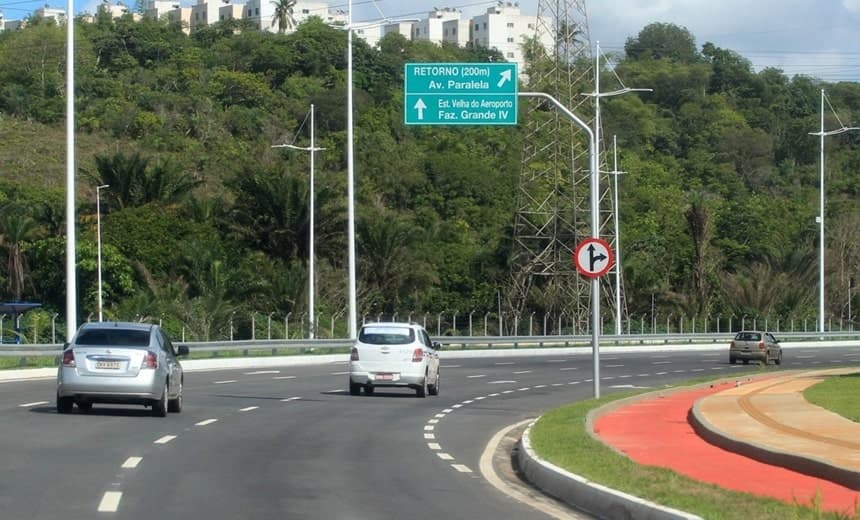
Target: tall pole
x: 820, y: 218
x: 350, y: 180
x: 615, y: 174
x: 99, y: 242
x: 71, y: 282
x: 821, y: 222
x: 311, y: 276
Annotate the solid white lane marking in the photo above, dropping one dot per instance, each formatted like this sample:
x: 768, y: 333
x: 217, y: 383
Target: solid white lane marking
x: 476, y: 376
x: 165, y: 439
x: 445, y: 456
x: 207, y: 422
x: 110, y: 502
x: 224, y: 382
x: 131, y: 462
x: 248, y: 409
x: 36, y: 403
x: 434, y: 446
x: 261, y: 372
x: 461, y: 468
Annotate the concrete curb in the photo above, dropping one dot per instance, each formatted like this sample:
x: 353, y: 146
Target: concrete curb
x: 585, y: 495
x: 805, y: 464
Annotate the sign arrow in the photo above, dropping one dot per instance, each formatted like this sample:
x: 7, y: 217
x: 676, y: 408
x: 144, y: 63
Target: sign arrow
x: 593, y: 259
x: 505, y: 77
x: 420, y: 106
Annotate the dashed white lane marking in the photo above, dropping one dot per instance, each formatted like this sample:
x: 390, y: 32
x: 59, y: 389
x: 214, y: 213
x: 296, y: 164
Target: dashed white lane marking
x: 440, y: 415
x: 661, y: 373
x: 661, y: 363
x: 445, y: 456
x: 429, y: 436
x: 569, y: 368
x: 131, y: 462
x: 556, y: 361
x: 502, y: 382
x: 434, y: 446
x: 224, y: 382
x: 457, y: 406
x: 165, y: 439
x: 643, y: 375
x: 469, y: 401
x: 697, y: 370
x: 504, y: 363
x: 288, y: 399
x: 429, y: 428
x: 494, y: 395
x: 37, y: 403
x: 476, y: 376
x: 508, y: 392
x: 461, y: 468
x: 450, y: 366
x: 540, y: 386
x: 262, y: 372
x: 614, y: 366
x: 524, y: 389
x: 518, y: 372
x: 447, y: 410
x: 433, y: 421
x: 110, y: 502
x: 340, y: 373
x: 207, y: 422
x: 284, y: 377
x: 248, y: 408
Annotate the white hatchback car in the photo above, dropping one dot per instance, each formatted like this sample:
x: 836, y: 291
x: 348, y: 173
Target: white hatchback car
x: 394, y: 355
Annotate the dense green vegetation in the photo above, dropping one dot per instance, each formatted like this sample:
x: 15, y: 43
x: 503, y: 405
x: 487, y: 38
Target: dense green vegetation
x: 204, y: 225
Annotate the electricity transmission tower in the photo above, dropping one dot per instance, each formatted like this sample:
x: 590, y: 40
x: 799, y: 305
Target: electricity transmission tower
x: 553, y: 206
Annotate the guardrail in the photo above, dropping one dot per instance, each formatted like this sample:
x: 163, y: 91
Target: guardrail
x: 249, y: 347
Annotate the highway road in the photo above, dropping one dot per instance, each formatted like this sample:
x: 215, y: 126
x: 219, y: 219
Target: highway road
x: 291, y: 443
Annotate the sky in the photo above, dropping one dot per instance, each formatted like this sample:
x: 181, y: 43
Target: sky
x: 818, y: 38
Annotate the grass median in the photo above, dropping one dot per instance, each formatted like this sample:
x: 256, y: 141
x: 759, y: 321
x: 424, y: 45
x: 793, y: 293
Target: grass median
x: 561, y: 437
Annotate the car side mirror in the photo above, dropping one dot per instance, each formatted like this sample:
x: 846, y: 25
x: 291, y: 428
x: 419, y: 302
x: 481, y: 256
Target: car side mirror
x: 437, y: 345
x: 182, y: 350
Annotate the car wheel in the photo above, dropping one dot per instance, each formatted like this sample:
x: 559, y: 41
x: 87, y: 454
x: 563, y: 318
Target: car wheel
x: 85, y: 406
x: 64, y: 404
x: 175, y: 405
x: 434, y: 388
x: 354, y: 388
x: 733, y: 360
x: 746, y: 362
x: 368, y: 390
x: 421, y: 391
x: 159, y: 407
x: 779, y: 358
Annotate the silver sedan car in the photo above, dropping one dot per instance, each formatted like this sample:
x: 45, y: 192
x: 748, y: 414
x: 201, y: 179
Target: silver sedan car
x: 121, y: 363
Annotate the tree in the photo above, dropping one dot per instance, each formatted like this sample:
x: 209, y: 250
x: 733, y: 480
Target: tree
x: 283, y: 16
x: 16, y: 228
x: 663, y: 41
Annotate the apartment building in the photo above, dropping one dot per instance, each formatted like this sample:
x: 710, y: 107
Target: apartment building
x: 505, y: 28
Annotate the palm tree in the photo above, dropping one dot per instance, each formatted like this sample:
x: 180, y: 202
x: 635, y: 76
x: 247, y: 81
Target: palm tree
x: 133, y: 182
x: 283, y: 15
x: 16, y: 227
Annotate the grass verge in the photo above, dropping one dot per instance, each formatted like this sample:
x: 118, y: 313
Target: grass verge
x: 561, y: 437
x: 838, y: 394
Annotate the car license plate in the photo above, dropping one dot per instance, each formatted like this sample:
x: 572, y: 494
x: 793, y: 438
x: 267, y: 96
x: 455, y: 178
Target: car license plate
x: 109, y: 365
x: 384, y: 377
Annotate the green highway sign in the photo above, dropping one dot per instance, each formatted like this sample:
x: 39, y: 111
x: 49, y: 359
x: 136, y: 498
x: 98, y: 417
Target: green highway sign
x: 460, y: 94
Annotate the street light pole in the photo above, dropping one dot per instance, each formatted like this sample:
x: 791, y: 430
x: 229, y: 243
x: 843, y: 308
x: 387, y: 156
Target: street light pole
x: 615, y: 174
x: 99, y: 242
x: 597, y: 95
x: 311, y: 276
x: 820, y: 218
x: 350, y: 179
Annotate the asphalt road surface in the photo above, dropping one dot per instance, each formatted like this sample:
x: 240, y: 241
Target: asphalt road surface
x: 291, y: 443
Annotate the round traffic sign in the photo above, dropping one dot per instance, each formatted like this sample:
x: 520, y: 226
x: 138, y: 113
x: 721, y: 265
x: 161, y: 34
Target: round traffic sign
x: 593, y: 257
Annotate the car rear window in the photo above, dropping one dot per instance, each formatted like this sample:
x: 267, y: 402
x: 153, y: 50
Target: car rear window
x: 114, y: 337
x: 386, y: 335
x: 748, y: 336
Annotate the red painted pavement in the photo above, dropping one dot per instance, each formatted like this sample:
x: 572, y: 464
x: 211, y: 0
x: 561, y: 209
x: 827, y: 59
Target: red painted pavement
x: 656, y: 432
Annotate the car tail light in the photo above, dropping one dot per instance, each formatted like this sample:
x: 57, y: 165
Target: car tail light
x: 353, y: 356
x: 69, y: 358
x: 150, y: 360
x: 418, y: 355
x: 761, y: 345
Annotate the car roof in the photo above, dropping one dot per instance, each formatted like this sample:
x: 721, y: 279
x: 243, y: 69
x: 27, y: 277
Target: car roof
x: 392, y: 324
x: 128, y: 325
